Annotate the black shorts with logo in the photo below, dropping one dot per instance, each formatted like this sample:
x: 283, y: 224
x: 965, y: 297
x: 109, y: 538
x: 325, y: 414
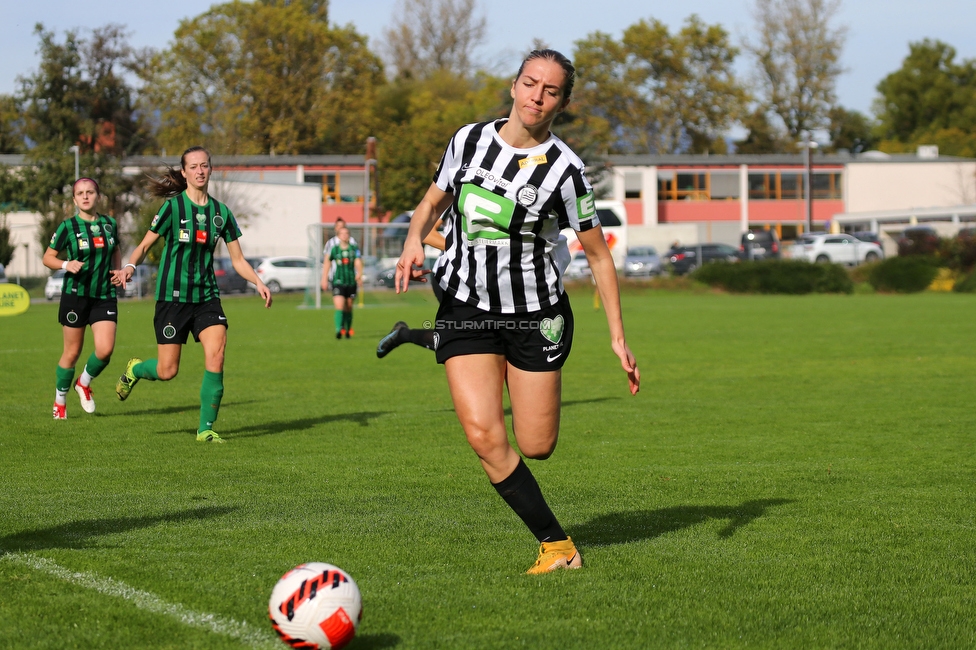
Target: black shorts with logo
x: 346, y: 291
x: 175, y: 320
x: 536, y: 342
x: 79, y: 311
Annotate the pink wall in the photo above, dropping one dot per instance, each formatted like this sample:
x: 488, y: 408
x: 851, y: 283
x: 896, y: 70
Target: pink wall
x: 759, y: 211
x: 679, y: 211
x: 351, y: 212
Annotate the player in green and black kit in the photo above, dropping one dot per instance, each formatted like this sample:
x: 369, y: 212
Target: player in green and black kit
x: 348, y: 275
x: 190, y: 222
x: 90, y: 243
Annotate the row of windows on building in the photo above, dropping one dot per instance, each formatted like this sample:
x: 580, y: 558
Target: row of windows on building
x: 723, y: 186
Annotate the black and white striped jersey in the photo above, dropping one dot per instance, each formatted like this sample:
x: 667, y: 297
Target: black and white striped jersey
x: 503, y: 224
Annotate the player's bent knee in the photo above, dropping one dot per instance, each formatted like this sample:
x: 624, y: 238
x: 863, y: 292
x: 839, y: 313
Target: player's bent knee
x: 166, y: 373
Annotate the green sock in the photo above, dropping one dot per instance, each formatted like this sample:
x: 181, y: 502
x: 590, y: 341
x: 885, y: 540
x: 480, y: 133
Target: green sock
x: 64, y: 378
x: 339, y: 320
x: 211, y: 392
x: 347, y: 319
x: 95, y: 366
x: 146, y: 370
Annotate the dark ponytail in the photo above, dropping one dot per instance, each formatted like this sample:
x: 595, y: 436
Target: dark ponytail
x: 172, y: 181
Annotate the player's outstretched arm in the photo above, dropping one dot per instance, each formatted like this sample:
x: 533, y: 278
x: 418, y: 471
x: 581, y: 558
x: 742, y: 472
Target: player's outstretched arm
x: 605, y: 276
x: 411, y: 262
x: 245, y: 270
x: 123, y: 275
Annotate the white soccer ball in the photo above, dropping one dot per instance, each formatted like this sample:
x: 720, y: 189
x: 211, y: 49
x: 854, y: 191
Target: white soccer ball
x: 316, y: 605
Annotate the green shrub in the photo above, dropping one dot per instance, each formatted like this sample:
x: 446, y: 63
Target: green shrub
x: 966, y: 284
x: 904, y: 274
x: 776, y: 276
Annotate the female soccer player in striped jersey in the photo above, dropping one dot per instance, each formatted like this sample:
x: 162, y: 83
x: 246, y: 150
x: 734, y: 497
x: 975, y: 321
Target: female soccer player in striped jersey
x: 505, y: 190
x: 187, y: 299
x: 90, y: 242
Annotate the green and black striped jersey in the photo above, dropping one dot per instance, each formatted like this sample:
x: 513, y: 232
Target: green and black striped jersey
x: 91, y: 243
x: 190, y: 233
x: 344, y: 265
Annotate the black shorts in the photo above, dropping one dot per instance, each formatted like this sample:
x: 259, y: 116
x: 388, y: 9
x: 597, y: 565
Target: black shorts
x: 346, y: 291
x: 536, y: 342
x: 79, y: 311
x: 175, y: 320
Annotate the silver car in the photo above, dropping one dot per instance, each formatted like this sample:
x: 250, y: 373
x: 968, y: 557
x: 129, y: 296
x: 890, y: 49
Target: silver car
x: 642, y: 261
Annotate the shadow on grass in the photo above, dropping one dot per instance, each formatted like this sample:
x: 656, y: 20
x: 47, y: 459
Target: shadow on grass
x: 375, y: 641
x: 301, y: 424
x: 170, y: 410
x: 624, y: 527
x: 83, y: 533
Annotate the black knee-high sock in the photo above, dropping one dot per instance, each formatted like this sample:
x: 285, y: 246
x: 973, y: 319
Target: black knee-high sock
x: 522, y: 494
x: 423, y: 338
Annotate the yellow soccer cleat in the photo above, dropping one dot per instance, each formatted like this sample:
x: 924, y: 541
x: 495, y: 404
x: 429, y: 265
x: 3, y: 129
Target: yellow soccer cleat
x: 557, y: 555
x: 208, y: 436
x: 125, y: 383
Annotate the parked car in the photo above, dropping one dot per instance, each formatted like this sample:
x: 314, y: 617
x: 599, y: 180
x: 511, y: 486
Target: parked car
x: 759, y: 245
x: 285, y: 273
x: 686, y: 258
x: 228, y: 279
x: 837, y: 249
x: 579, y: 267
x: 3, y: 274
x: 142, y: 284
x: 52, y: 289
x: 918, y: 240
x: 868, y: 236
x: 642, y: 261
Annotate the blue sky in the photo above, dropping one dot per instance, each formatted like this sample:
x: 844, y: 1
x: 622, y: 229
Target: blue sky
x: 878, y: 30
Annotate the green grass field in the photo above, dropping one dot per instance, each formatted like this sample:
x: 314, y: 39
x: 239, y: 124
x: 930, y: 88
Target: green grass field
x: 796, y: 472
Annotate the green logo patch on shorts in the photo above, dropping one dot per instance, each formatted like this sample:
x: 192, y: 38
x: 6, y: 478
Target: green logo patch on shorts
x: 552, y: 328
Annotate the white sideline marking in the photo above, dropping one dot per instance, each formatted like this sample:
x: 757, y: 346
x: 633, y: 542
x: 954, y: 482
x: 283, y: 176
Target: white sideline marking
x: 150, y: 602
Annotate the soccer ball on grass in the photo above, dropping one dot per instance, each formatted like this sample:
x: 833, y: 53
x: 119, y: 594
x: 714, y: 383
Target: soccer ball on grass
x: 315, y: 605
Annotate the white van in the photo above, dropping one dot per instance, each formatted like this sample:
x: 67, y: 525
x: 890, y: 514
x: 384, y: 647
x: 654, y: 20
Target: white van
x: 613, y: 218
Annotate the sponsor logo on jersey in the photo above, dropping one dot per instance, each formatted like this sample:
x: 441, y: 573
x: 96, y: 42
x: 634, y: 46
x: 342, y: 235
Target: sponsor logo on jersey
x: 585, y: 207
x: 532, y: 161
x: 498, y: 181
x: 99, y: 242
x: 53, y: 237
x: 487, y: 216
x: 154, y: 221
x: 552, y: 328
x: 94, y: 229
x: 201, y: 236
x: 184, y: 236
x: 82, y: 243
x: 111, y: 241
x: 169, y: 332
x: 527, y: 195
x: 201, y: 218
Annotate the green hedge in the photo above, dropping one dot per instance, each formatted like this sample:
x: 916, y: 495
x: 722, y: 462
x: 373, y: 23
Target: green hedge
x: 904, y: 274
x: 966, y: 284
x: 776, y: 276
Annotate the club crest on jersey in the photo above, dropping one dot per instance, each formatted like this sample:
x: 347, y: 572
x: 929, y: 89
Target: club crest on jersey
x: 527, y: 195
x: 108, y: 228
x: 218, y: 221
x: 184, y: 236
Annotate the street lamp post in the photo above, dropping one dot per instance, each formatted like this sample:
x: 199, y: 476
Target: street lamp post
x: 808, y: 145
x: 75, y: 150
x: 370, y: 161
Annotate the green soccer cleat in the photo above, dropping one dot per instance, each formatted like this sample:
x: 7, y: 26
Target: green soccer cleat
x: 125, y: 383
x: 208, y: 436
